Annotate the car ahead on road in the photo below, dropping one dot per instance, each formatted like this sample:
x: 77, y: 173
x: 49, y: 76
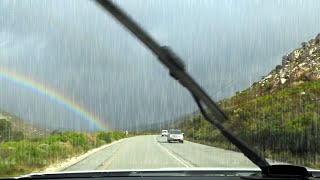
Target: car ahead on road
x: 164, y: 133
x: 175, y: 135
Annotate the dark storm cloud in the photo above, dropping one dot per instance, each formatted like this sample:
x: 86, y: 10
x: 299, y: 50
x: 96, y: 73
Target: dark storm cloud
x: 77, y: 48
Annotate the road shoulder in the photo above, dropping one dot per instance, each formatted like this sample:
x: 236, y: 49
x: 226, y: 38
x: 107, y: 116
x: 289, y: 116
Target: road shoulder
x: 60, y: 166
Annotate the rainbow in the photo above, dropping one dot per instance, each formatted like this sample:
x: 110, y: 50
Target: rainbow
x: 55, y: 96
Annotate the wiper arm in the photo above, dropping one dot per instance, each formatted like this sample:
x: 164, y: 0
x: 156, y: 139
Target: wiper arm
x: 177, y: 70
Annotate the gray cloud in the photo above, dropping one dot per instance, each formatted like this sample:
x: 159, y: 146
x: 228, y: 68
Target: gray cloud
x: 77, y: 48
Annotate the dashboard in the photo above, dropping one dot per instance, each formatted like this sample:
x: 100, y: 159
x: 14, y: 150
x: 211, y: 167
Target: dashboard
x: 161, y: 175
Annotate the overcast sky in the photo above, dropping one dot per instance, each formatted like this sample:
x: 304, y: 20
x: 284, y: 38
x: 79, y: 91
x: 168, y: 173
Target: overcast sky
x: 78, y: 49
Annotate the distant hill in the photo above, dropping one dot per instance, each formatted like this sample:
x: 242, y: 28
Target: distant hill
x: 169, y: 124
x: 19, y: 125
x: 280, y: 114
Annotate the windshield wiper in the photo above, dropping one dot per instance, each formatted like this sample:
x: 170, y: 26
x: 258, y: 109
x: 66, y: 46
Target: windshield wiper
x: 177, y: 70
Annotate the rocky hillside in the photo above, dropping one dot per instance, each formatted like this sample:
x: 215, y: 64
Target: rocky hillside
x: 299, y: 66
x: 280, y: 114
x: 19, y: 125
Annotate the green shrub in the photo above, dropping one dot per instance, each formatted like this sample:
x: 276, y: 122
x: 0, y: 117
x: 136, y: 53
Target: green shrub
x: 36, y: 139
x: 8, y: 169
x: 80, y: 140
x: 63, y: 138
x: 57, y: 151
x: 100, y: 142
x: 284, y: 124
x: 5, y: 130
x: 117, y: 135
x: 44, y: 147
x: 103, y: 136
x: 24, y: 156
x: 17, y: 136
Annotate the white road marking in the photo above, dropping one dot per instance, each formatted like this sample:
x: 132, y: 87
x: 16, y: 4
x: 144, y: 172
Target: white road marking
x: 165, y: 149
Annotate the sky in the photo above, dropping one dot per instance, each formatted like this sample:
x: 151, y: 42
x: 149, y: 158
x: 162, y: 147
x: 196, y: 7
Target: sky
x: 78, y: 49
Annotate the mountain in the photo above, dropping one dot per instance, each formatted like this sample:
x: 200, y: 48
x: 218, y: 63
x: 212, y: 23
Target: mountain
x: 301, y: 65
x: 19, y: 125
x: 169, y: 124
x: 280, y: 114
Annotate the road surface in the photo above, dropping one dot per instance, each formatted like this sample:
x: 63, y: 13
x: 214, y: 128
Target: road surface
x: 148, y: 152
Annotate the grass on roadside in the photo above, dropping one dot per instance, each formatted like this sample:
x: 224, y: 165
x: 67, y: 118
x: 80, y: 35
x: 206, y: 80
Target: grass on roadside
x: 33, y: 155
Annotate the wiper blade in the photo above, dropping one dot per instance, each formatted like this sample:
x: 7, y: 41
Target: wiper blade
x: 177, y: 70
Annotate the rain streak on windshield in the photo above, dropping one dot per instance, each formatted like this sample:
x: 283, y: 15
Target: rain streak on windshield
x: 80, y: 92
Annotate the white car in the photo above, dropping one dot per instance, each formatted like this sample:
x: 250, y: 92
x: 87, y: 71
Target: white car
x: 175, y: 135
x: 164, y: 133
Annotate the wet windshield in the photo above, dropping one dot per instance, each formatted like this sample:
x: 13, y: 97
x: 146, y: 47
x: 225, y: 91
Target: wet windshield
x: 79, y: 92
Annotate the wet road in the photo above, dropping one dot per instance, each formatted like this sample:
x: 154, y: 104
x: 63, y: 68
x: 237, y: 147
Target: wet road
x: 149, y: 152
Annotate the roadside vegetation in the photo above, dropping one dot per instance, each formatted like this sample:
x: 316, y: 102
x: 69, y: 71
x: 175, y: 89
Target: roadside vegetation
x: 284, y: 124
x: 20, y: 155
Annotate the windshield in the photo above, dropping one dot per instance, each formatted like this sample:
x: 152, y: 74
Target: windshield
x: 79, y: 92
x: 175, y: 132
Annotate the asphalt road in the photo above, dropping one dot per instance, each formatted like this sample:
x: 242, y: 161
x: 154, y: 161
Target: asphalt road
x: 148, y: 152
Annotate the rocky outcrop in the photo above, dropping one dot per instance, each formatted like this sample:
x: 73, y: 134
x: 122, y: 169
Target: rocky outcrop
x: 317, y: 39
x: 299, y: 66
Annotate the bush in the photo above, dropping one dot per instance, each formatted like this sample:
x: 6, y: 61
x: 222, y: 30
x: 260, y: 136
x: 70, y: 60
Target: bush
x: 63, y: 138
x: 282, y: 124
x: 117, y: 135
x: 29, y: 154
x: 5, y: 130
x: 9, y: 169
x: 57, y: 151
x: 278, y: 67
x: 103, y: 136
x: 17, y: 136
x: 54, y: 132
x: 25, y: 156
x: 80, y: 140
x: 100, y: 142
